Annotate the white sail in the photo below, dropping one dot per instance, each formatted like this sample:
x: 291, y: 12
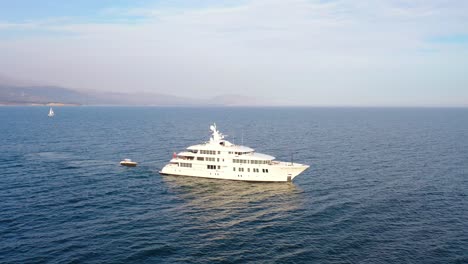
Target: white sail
x: 51, y: 112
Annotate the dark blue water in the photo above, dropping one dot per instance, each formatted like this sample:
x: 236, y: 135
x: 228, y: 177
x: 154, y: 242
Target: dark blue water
x: 384, y: 186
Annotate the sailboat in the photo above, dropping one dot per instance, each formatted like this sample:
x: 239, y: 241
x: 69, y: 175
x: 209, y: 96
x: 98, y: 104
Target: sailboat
x: 51, y: 112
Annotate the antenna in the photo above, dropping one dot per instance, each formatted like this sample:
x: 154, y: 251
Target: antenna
x: 242, y: 137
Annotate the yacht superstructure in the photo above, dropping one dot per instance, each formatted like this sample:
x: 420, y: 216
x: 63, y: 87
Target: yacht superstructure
x: 220, y: 159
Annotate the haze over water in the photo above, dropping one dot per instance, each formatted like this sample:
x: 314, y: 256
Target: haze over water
x: 384, y: 186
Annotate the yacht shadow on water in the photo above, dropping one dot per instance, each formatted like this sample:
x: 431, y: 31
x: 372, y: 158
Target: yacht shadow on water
x: 231, y: 202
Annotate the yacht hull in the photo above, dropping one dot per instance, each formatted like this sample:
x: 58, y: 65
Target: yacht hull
x: 272, y: 173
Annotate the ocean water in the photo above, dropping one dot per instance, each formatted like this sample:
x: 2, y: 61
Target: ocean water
x: 384, y: 186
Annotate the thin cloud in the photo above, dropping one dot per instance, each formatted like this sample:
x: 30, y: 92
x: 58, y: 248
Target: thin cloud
x: 305, y: 52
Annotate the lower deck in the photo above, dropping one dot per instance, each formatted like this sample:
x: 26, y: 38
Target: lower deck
x: 280, y: 172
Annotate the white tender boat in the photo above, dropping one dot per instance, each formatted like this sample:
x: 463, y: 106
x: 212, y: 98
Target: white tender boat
x: 220, y: 159
x: 128, y: 163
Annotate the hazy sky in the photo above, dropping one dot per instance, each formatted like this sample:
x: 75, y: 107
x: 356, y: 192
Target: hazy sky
x: 336, y: 52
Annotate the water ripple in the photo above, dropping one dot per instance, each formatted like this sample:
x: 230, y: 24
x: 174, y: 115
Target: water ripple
x: 385, y: 186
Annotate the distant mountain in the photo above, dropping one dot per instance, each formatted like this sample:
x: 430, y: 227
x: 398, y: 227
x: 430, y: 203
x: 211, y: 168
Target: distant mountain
x: 11, y: 95
x: 39, y: 95
x: 13, y: 92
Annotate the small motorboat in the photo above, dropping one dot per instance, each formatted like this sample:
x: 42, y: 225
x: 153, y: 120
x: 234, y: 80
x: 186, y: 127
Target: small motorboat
x: 128, y: 163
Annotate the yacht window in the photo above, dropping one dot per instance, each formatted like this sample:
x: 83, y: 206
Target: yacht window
x: 200, y: 158
x: 234, y: 168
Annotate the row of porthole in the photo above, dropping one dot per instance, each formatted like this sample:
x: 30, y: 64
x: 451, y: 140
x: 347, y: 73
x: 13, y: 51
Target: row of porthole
x: 248, y: 170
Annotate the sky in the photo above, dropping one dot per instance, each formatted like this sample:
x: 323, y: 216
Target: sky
x: 295, y: 52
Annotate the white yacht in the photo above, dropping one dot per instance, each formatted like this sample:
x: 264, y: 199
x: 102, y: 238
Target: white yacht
x: 220, y: 159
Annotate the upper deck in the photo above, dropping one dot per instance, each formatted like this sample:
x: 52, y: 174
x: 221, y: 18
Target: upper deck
x: 221, y: 147
x: 217, y: 145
